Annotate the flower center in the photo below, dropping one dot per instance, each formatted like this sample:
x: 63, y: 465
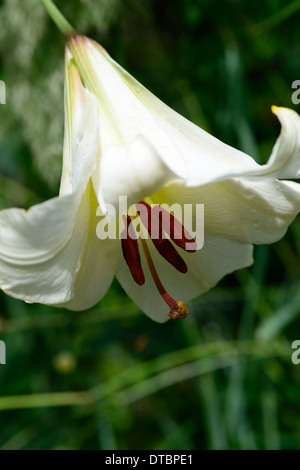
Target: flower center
x: 158, y: 222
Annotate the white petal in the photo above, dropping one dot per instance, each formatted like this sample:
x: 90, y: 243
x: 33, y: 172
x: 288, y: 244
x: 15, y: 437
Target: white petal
x: 207, y: 159
x: 81, y: 142
x: 284, y: 161
x: 42, y: 252
x: 243, y: 210
x: 94, y: 272
x: 129, y: 109
x: 123, y: 115
x: 134, y: 170
x: 263, y: 209
x: 191, y: 152
x: 49, y: 253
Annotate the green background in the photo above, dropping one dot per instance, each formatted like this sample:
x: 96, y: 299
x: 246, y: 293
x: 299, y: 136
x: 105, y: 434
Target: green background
x: 110, y: 378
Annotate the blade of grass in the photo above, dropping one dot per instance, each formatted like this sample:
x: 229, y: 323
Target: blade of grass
x: 138, y: 374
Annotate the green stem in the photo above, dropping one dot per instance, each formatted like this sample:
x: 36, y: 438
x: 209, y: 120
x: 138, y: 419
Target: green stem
x: 60, y: 21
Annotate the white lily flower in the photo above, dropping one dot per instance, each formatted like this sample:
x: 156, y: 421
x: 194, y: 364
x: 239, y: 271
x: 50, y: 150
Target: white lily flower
x: 120, y: 140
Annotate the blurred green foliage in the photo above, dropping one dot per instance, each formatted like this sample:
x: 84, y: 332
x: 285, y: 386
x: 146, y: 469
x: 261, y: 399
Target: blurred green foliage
x: 110, y: 378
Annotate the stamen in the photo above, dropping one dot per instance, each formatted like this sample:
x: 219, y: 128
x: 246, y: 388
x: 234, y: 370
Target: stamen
x: 131, y: 251
x: 163, y: 246
x: 178, y: 309
x: 166, y: 222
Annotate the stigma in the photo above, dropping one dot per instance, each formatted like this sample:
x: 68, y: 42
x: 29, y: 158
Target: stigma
x: 179, y: 312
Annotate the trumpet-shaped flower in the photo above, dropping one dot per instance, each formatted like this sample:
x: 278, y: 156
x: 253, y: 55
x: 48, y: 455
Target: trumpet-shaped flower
x: 120, y: 140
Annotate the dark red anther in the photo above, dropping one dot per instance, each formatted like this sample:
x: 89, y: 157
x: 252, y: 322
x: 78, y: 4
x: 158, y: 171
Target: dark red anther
x: 162, y: 244
x: 175, y: 229
x: 131, y: 251
x: 160, y: 221
x: 167, y: 251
